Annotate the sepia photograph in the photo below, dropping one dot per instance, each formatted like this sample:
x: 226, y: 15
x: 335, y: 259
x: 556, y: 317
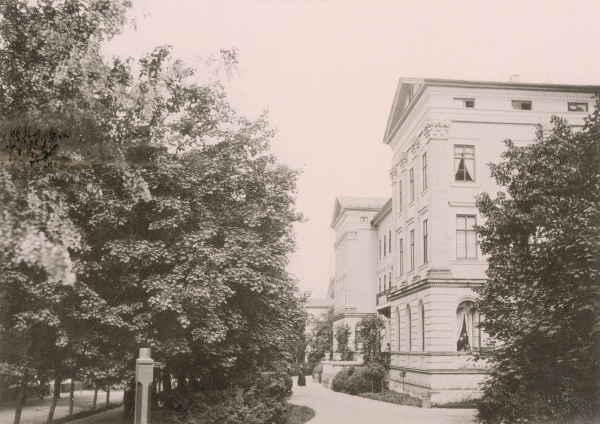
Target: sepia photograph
x: 299, y: 211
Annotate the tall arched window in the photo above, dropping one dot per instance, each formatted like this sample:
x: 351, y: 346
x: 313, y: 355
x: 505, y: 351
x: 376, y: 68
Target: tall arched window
x: 408, y: 328
x: 398, y: 330
x: 468, y: 333
x: 421, y: 319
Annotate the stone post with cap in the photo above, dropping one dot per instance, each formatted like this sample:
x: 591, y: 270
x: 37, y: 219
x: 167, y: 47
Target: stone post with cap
x: 144, y: 370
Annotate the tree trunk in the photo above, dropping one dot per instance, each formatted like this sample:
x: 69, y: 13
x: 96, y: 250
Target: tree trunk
x: 129, y: 402
x: 107, y: 396
x: 71, y: 397
x: 55, y: 396
x: 95, y: 397
x: 20, y: 402
x: 154, y: 392
x: 181, y: 383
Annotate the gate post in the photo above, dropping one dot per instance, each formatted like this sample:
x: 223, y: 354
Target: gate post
x: 143, y: 379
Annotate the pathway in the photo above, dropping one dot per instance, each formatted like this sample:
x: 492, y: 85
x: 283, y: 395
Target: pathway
x: 341, y: 408
x: 36, y: 412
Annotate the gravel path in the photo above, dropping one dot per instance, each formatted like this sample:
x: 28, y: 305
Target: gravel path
x: 340, y: 408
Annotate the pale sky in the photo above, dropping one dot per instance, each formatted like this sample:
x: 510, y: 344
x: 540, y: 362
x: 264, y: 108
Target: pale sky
x: 327, y: 72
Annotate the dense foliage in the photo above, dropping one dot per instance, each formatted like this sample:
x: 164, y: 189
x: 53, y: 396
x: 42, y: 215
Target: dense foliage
x: 542, y: 299
x: 370, y: 327
x: 359, y: 379
x: 320, y: 340
x: 342, y: 335
x: 137, y: 209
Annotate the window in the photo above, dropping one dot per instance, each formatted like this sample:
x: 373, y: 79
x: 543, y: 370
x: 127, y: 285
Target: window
x: 390, y: 242
x: 401, y: 268
x: 466, y: 238
x: 384, y: 245
x: 578, y: 107
x: 384, y: 282
x: 412, y: 249
x: 521, y: 104
x: 425, y: 234
x: 408, y: 328
x: 424, y: 171
x: 464, y: 163
x: 421, y: 319
x: 379, y: 249
x: 468, y: 103
x: 400, y: 196
x: 412, y: 185
x: 390, y: 279
x: 364, y: 219
x: 468, y: 333
x: 398, y: 329
x: 379, y: 284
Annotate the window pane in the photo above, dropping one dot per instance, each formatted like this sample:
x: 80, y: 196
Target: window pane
x: 471, y: 245
x: 469, y: 169
x: 459, y: 169
x: 470, y: 221
x: 469, y: 152
x: 460, y: 247
x: 460, y: 222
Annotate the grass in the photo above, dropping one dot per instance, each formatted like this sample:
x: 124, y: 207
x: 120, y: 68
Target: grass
x: 87, y: 413
x: 391, y: 396
x: 463, y: 404
x: 300, y: 414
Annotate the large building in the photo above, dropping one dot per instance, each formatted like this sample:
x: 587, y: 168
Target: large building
x: 414, y: 258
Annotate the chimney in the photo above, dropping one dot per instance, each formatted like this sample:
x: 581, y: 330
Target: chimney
x: 515, y: 78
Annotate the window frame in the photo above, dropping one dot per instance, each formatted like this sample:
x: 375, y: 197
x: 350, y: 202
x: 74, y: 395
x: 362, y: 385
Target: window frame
x: 424, y: 169
x: 384, y: 245
x: 400, y: 197
x: 412, y: 184
x: 425, y: 241
x: 520, y: 103
x: 379, y: 250
x: 412, y: 250
x: 575, y: 104
x: 390, y: 242
x: 464, y: 102
x: 466, y: 232
x: 462, y: 157
x: 401, y: 257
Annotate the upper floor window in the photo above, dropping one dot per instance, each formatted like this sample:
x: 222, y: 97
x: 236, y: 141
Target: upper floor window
x: 400, y: 196
x: 521, y: 104
x: 390, y: 242
x: 379, y: 255
x: 578, y: 107
x: 364, y: 219
x: 425, y: 235
x: 412, y: 249
x: 466, y: 238
x: 390, y: 279
x: 424, y: 171
x: 379, y: 284
x: 468, y: 103
x: 384, y: 245
x: 464, y: 163
x: 412, y: 184
x: 384, y: 282
x: 401, y: 257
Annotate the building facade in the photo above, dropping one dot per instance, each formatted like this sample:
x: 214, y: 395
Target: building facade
x: 424, y: 260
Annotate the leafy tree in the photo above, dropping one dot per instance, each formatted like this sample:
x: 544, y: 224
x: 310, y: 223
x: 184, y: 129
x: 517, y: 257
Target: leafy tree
x: 371, y: 326
x: 321, y: 338
x: 155, y: 216
x: 342, y: 335
x: 541, y: 301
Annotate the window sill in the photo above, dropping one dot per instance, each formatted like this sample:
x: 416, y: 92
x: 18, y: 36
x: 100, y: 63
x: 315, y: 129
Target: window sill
x: 424, y: 192
x: 466, y: 184
x: 425, y: 265
x: 469, y: 261
x: 411, y: 204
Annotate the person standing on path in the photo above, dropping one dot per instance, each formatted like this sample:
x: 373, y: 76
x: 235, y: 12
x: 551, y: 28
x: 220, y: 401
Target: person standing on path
x: 301, y: 377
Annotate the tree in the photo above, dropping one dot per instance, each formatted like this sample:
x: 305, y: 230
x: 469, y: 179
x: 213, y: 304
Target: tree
x: 371, y: 326
x: 342, y: 335
x: 321, y: 338
x: 176, y: 222
x: 541, y: 301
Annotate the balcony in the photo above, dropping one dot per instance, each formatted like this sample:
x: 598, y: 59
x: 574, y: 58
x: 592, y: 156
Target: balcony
x: 382, y: 297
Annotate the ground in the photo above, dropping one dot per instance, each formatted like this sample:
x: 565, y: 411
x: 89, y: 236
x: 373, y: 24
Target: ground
x: 37, y: 412
x: 330, y: 408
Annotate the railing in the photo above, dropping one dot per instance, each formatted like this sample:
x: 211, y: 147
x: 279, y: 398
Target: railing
x: 385, y: 293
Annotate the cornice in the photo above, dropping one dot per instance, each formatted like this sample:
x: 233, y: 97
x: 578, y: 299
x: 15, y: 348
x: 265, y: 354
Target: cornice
x: 514, y: 93
x: 385, y: 211
x: 428, y: 283
x: 345, y: 236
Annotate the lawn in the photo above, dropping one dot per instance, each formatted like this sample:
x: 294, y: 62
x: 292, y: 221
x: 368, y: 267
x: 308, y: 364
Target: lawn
x: 300, y: 414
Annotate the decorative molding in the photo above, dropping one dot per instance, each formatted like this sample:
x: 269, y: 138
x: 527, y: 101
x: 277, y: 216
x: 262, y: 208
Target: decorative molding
x: 414, y: 146
x: 437, y: 130
x: 403, y: 161
x: 462, y: 204
x: 342, y: 238
x: 393, y: 173
x: 515, y: 94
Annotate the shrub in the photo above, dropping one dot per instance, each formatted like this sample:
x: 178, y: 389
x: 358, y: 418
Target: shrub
x: 365, y: 379
x: 391, y: 396
x: 295, y: 369
x: 318, y: 369
x: 338, y: 384
x: 255, y: 399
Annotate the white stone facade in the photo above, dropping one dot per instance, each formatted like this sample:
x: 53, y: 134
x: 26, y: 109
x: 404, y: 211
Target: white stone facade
x: 424, y: 259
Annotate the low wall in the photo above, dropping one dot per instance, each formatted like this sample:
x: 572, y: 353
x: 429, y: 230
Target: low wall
x: 331, y: 368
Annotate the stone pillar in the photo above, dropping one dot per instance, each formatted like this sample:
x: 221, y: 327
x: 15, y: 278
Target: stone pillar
x: 426, y: 401
x: 143, y: 379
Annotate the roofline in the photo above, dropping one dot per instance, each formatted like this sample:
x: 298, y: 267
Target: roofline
x: 385, y: 211
x: 354, y: 208
x: 437, y: 82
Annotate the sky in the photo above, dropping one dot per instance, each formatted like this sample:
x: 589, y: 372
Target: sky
x: 327, y: 72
